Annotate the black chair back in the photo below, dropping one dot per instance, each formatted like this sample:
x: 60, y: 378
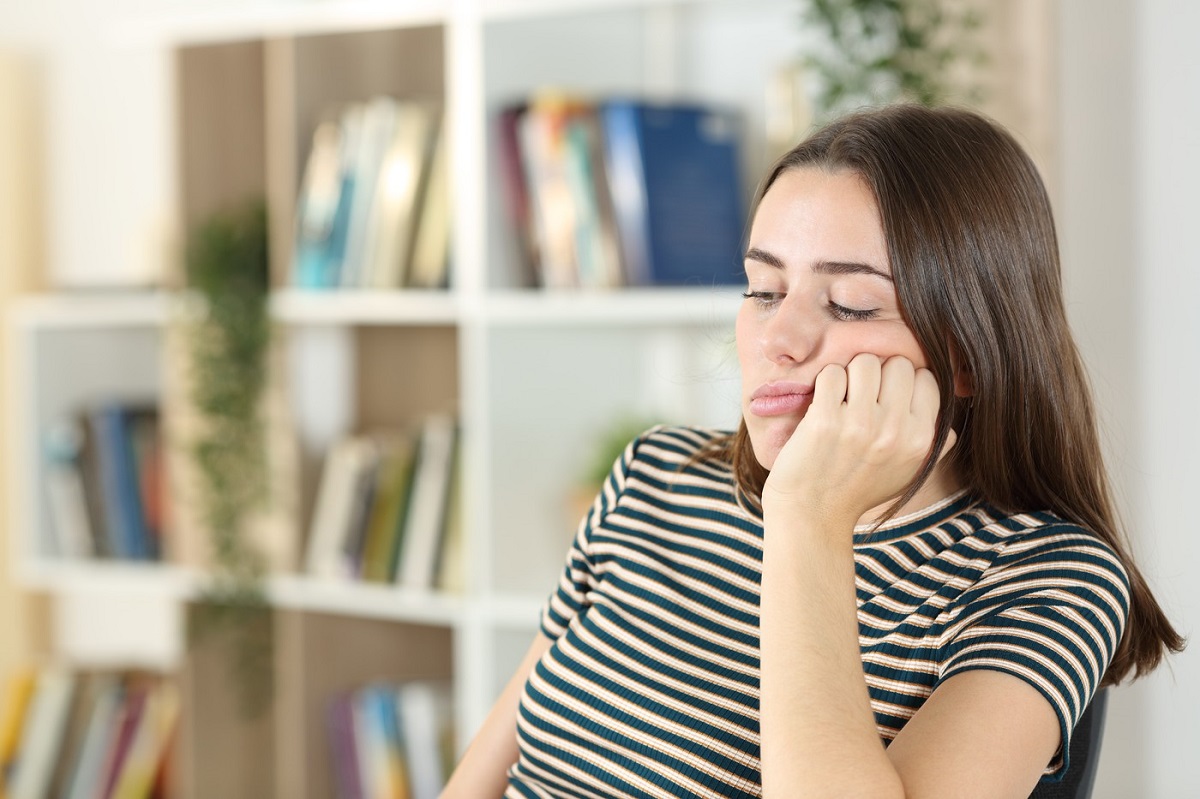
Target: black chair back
x: 1077, y: 783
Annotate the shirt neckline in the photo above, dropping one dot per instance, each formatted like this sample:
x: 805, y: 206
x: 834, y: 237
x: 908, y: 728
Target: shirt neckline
x: 917, y: 521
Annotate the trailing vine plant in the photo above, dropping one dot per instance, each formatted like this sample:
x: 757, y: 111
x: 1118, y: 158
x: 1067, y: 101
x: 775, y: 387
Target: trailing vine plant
x: 227, y: 341
x: 874, y: 52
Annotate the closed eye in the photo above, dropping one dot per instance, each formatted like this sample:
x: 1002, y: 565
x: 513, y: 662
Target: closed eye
x: 851, y: 314
x: 764, y: 299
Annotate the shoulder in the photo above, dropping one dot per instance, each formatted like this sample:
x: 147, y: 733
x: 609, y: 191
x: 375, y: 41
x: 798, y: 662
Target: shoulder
x: 677, y: 465
x: 1042, y: 554
x: 680, y: 445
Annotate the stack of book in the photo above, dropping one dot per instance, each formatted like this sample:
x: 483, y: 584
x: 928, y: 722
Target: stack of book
x: 391, y: 742
x: 105, y: 483
x: 624, y: 193
x: 87, y: 736
x: 373, y: 210
x: 386, y: 508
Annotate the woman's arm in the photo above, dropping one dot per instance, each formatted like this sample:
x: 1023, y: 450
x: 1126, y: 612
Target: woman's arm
x: 481, y: 772
x: 983, y: 729
x: 867, y: 431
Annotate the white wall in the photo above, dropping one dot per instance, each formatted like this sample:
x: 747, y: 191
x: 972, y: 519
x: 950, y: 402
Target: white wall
x: 1166, y: 115
x: 1130, y: 162
x: 109, y: 163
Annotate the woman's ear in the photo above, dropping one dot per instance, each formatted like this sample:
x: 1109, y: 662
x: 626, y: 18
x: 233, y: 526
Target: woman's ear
x: 964, y: 381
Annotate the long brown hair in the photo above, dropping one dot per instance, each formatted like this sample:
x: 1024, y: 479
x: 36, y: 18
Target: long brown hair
x: 974, y: 257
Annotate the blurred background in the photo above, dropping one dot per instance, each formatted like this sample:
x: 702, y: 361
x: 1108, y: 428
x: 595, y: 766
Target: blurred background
x: 441, y: 260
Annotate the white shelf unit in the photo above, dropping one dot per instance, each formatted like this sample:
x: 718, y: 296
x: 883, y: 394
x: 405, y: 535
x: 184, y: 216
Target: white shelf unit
x: 535, y: 376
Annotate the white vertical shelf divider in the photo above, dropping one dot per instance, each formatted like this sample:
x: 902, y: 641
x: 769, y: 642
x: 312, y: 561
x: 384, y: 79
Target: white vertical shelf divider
x: 468, y: 138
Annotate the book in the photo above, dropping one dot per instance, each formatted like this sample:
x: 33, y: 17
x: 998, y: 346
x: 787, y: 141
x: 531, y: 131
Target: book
x: 343, y: 747
x: 17, y: 692
x: 386, y: 523
x: 516, y: 189
x: 315, y: 262
x: 597, y: 251
x: 121, y: 736
x: 360, y: 512
x: 84, y: 700
x: 424, y: 711
x: 342, y: 479
x: 66, y: 495
x: 426, y: 518
x: 451, y: 560
x: 88, y: 769
x: 379, y: 120
x: 148, y: 744
x: 402, y: 180
x: 387, y: 772
x: 322, y: 239
x: 431, y: 251
x: 541, y: 133
x: 149, y: 464
x: 124, y: 518
x: 42, y: 734
x: 673, y: 170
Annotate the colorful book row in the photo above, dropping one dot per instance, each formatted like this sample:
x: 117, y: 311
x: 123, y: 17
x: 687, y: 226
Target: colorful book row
x: 624, y: 193
x: 105, y: 483
x: 373, y: 210
x: 391, y: 741
x: 87, y: 736
x: 386, y: 508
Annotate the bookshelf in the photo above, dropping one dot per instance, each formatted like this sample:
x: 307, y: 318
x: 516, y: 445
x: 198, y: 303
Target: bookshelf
x: 534, y: 376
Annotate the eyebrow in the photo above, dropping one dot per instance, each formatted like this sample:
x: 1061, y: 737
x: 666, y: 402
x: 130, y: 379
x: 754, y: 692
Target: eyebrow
x: 824, y: 267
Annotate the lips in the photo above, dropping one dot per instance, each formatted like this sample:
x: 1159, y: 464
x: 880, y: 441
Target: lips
x: 780, y: 399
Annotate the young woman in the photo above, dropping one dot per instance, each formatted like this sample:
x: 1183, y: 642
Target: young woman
x: 902, y: 576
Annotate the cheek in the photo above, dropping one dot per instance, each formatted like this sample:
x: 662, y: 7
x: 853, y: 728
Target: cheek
x: 745, y: 337
x: 884, y: 339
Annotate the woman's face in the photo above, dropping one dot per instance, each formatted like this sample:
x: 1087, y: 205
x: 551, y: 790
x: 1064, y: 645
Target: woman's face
x: 819, y: 292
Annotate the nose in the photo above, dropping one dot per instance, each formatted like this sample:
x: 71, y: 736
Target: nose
x: 790, y: 334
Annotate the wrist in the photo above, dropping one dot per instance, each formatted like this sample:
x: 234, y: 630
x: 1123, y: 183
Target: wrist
x: 799, y: 520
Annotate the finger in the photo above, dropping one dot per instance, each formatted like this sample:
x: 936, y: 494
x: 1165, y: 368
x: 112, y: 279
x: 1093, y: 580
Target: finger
x: 926, y: 397
x: 863, y: 375
x: 829, y: 389
x: 896, y: 383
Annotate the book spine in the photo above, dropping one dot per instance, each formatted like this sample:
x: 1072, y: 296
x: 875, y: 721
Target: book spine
x: 627, y: 184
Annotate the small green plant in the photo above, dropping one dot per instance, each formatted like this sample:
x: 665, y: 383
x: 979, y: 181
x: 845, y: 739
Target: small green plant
x: 874, y: 52
x: 608, y: 445
x: 228, y: 340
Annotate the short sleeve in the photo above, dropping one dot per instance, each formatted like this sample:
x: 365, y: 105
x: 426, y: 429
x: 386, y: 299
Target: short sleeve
x: 578, y: 577
x: 1050, y: 613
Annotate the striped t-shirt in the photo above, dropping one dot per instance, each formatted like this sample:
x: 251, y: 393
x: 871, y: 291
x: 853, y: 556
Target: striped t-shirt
x: 651, y: 687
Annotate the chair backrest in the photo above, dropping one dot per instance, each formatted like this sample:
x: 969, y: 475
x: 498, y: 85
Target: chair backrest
x: 1077, y: 783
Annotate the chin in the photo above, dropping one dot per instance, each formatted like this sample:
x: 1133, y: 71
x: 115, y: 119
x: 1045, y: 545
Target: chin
x: 768, y: 438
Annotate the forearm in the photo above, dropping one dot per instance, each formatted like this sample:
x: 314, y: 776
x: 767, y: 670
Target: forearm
x: 818, y: 729
x: 482, y: 772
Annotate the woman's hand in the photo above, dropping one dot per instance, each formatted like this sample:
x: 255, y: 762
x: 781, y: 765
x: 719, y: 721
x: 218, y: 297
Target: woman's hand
x: 868, y: 430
